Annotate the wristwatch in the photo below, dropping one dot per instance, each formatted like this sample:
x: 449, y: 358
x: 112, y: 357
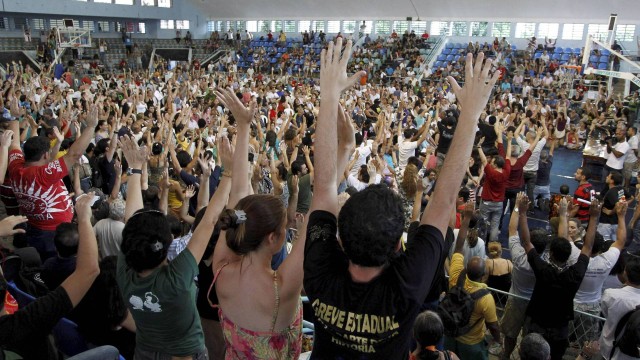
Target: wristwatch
x: 134, y: 171
x: 516, y: 209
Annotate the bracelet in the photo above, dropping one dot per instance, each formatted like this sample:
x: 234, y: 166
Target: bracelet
x: 227, y: 173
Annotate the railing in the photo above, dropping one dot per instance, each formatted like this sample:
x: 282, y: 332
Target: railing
x: 429, y: 59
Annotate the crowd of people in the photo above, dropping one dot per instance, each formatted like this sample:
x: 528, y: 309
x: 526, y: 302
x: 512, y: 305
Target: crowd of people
x: 182, y: 214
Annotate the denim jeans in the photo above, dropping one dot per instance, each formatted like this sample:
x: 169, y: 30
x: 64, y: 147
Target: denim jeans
x: 106, y: 352
x: 490, y: 212
x: 543, y: 191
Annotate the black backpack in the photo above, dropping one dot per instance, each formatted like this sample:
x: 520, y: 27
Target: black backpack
x: 26, y: 278
x: 457, y: 306
x: 627, y: 336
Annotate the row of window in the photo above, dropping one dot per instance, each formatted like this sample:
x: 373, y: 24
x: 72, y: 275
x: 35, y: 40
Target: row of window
x: 174, y: 24
x: 158, y: 3
x: 451, y: 28
x: 94, y: 26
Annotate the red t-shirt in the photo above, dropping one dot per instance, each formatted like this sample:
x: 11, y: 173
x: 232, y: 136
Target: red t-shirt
x: 582, y: 192
x: 42, y: 196
x: 495, y: 182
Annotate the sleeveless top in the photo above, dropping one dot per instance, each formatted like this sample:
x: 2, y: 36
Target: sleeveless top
x: 500, y: 282
x: 245, y: 344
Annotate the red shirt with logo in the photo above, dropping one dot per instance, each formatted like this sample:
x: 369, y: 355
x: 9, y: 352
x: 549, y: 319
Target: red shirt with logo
x: 42, y: 196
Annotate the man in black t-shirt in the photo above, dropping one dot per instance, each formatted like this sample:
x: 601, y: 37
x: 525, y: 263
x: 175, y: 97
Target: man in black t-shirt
x: 551, y: 306
x: 613, y: 192
x: 446, y: 129
x: 365, y: 297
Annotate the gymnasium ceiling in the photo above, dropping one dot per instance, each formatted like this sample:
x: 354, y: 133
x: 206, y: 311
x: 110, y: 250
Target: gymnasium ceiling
x: 557, y: 10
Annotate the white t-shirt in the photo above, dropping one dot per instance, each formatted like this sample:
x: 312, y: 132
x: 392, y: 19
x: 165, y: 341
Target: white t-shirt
x: 633, y: 145
x: 363, y: 151
x: 359, y: 185
x: 590, y: 290
x: 618, y: 162
x: 406, y: 149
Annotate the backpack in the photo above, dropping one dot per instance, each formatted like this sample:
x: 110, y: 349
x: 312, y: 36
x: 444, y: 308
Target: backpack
x: 627, y: 335
x: 27, y: 278
x: 96, y: 175
x: 457, y: 306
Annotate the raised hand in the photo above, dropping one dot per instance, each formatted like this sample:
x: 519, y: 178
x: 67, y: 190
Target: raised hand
x: 205, y: 164
x: 57, y: 134
x: 522, y: 201
x: 7, y: 225
x: 5, y: 138
x: 621, y: 209
x: 346, y: 140
x: 563, y: 207
x: 242, y: 114
x: 294, y: 184
x: 92, y: 117
x: 83, y: 206
x: 477, y: 85
x: 333, y: 68
x: 469, y: 209
x: 225, y: 153
x: 135, y: 155
x: 118, y: 168
x: 189, y: 192
x: 595, y: 208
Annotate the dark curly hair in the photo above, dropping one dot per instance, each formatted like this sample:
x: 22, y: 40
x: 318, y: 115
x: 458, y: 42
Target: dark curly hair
x: 560, y: 249
x: 265, y: 214
x: 371, y: 223
x: 145, y: 240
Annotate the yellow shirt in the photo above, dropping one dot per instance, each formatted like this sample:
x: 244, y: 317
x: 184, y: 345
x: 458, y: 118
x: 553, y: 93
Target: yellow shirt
x: 485, y: 306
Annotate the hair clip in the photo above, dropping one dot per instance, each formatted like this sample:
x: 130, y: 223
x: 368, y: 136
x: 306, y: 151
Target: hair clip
x: 157, y: 246
x: 241, y: 217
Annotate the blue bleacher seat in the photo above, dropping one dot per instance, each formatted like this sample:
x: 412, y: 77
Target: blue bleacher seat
x: 507, y: 61
x: 68, y: 338
x: 437, y: 64
x: 442, y: 57
x: 446, y: 51
x: 556, y: 56
x: 603, y: 66
x: 558, y: 50
x: 605, y: 52
x: 577, y: 51
x: 562, y: 62
x: 449, y: 57
x: 455, y: 58
x: 514, y: 47
x: 565, y: 57
x: 604, y: 59
x: 448, y: 46
x: 459, y: 46
x: 537, y: 55
x: 594, y: 58
x: 21, y: 297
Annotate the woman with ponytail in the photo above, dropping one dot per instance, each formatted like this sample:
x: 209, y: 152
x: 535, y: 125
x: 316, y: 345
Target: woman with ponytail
x: 260, y: 309
x: 428, y: 331
x: 161, y: 295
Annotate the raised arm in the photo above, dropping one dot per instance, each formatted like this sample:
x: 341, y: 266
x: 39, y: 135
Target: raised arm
x: 621, y: 235
x: 87, y: 268
x: 467, y: 214
x: 80, y: 145
x: 563, y: 225
x: 522, y: 202
x: 135, y: 156
x: 5, y: 142
x: 594, y: 214
x: 334, y: 80
x: 206, y: 164
x: 473, y: 98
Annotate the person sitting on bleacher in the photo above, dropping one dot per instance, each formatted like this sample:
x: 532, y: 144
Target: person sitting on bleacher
x: 56, y: 269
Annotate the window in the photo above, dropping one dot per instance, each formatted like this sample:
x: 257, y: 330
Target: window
x: 419, y: 26
x: 148, y: 2
x: 276, y: 25
x: 400, y: 26
x: 304, y: 25
x: 164, y: 3
x: 368, y: 26
x: 290, y: 26
x: 88, y: 25
x: 211, y: 26
x: 4, y: 23
x: 548, y: 30
x: 459, y: 28
x: 333, y: 27
x: 240, y: 25
x: 37, y: 24
x: 57, y: 23
x: 501, y: 29
x: 124, y: 2
x: 182, y: 24
x: 102, y: 1
x: 625, y: 32
x: 572, y: 31
x: 383, y: 27
x: 440, y: 28
x: 319, y: 25
x: 479, y: 28
x: 263, y: 26
x: 142, y: 28
x: 525, y: 30
x: 599, y: 31
x: 348, y: 27
x: 103, y: 26
x: 166, y: 24
x: 252, y: 26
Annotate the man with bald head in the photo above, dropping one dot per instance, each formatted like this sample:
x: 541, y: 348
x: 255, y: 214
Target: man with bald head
x: 472, y: 345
